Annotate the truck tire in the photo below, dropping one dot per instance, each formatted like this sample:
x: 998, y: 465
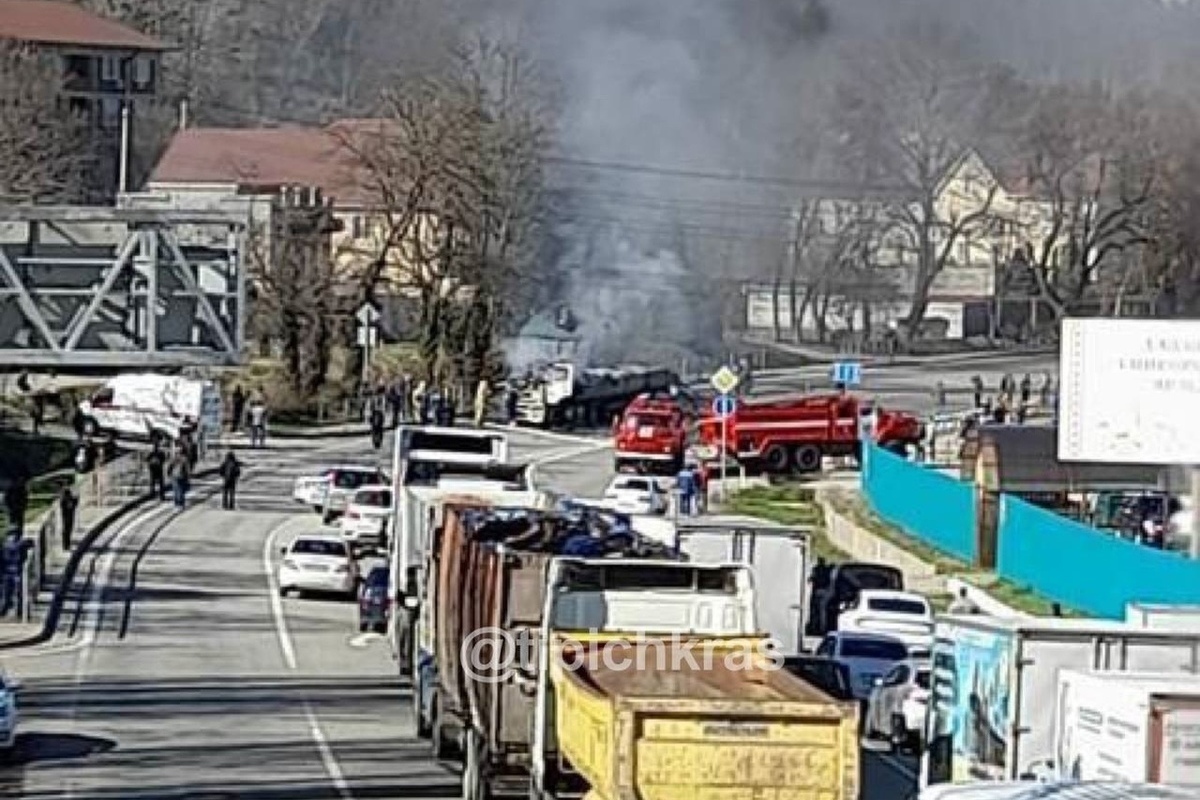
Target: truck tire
x: 807, y: 458
x: 775, y: 459
x: 475, y: 784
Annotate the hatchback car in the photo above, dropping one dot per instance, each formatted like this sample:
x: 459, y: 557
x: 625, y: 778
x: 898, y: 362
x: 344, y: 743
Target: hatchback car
x: 897, y: 705
x: 367, y: 515
x: 373, y: 603
x: 318, y: 563
x: 636, y: 494
x: 866, y: 656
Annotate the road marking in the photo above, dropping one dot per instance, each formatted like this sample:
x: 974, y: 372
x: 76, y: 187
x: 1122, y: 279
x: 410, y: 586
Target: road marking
x: 328, y: 759
x: 575, y: 452
x: 551, y: 435
x: 364, y: 639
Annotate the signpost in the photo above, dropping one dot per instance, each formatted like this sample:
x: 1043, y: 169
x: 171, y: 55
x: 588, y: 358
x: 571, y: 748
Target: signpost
x: 1129, y: 393
x: 847, y: 373
x: 723, y: 406
x: 368, y: 336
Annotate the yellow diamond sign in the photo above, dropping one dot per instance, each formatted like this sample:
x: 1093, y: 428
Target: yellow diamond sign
x: 724, y: 380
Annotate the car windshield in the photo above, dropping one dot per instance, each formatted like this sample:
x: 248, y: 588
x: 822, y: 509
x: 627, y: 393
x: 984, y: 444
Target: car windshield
x: 896, y: 605
x: 633, y: 485
x: 318, y: 547
x: 881, y: 649
x: 825, y: 675
x: 346, y: 479
x: 377, y: 498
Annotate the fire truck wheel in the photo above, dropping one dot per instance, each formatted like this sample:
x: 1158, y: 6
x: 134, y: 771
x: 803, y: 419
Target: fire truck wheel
x: 775, y: 459
x: 807, y: 458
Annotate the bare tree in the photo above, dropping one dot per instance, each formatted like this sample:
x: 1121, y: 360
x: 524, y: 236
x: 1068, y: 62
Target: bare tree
x: 906, y: 114
x: 295, y: 283
x: 45, y: 151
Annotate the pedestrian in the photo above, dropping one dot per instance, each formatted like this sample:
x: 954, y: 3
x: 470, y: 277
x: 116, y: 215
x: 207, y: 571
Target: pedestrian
x: 940, y: 394
x: 14, y: 552
x: 1044, y: 390
x: 78, y: 423
x: 1022, y: 412
x: 1026, y: 388
x: 231, y: 470
x: 700, y: 476
x: 85, y: 456
x: 977, y: 388
x: 187, y: 443
x: 685, y: 484
x: 511, y: 401
x: 377, y: 422
x: 68, y: 504
x: 482, y: 392
x: 179, y: 472
x: 239, y: 409
x: 420, y: 404
x: 396, y: 401
x: 258, y: 423
x: 156, y: 463
x: 963, y: 604
x: 37, y: 413
x: 16, y: 501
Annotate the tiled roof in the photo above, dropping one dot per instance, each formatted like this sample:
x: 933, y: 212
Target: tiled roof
x: 47, y: 22
x: 267, y: 157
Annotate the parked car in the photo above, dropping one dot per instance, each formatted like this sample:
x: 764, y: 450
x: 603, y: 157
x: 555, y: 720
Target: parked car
x: 367, y: 516
x: 374, y: 606
x: 317, y: 563
x: 636, y: 494
x: 904, y: 615
x: 897, y: 704
x: 867, y: 656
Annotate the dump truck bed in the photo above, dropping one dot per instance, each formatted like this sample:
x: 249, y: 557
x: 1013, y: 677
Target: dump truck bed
x: 718, y: 730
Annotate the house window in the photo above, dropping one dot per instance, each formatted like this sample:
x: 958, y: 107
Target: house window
x: 358, y: 227
x: 110, y: 70
x: 143, y: 73
x: 110, y: 113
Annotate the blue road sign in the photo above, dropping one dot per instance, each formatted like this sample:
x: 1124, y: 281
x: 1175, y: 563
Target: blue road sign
x: 724, y: 404
x: 847, y: 373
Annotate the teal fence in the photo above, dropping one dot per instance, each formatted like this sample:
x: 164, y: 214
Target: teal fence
x: 934, y: 508
x: 1086, y: 569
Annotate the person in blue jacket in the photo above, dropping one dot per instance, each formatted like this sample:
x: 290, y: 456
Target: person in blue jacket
x: 685, y: 483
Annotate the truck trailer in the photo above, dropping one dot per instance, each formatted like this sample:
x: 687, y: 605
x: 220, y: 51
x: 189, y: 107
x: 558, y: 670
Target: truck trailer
x: 563, y: 395
x: 623, y: 713
x: 995, y: 682
x: 1122, y: 726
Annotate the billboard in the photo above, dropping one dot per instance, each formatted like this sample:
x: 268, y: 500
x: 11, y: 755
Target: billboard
x: 1130, y: 391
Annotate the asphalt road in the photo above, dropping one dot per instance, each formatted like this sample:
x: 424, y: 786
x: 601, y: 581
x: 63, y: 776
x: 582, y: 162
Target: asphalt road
x: 188, y: 677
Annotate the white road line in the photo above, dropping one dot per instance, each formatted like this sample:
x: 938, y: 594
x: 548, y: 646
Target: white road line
x: 567, y: 438
x: 328, y: 759
x: 574, y: 452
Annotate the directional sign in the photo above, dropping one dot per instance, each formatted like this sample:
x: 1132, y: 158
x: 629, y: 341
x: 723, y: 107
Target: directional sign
x: 724, y: 405
x: 368, y: 336
x: 724, y: 380
x: 367, y: 315
x: 847, y: 373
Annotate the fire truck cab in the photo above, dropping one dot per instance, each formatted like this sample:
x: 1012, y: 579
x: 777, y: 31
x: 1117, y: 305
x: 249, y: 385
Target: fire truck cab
x: 651, y: 435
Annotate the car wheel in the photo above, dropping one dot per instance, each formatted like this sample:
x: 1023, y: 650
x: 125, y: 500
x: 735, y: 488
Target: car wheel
x: 284, y: 591
x: 362, y: 627
x: 380, y: 628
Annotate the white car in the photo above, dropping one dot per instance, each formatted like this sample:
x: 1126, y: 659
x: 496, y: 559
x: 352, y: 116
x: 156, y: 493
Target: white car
x: 897, y: 705
x: 8, y: 714
x: 328, y: 492
x: 367, y: 515
x: 636, y: 494
x: 318, y: 563
x: 866, y: 656
x: 904, y: 615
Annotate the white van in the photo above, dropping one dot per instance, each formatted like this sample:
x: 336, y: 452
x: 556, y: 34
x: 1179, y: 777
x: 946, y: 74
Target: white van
x: 149, y: 406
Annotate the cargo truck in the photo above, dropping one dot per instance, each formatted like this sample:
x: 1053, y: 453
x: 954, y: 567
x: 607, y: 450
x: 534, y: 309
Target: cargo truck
x: 564, y: 395
x: 623, y: 714
x: 779, y: 555
x: 1120, y: 726
x: 488, y: 586
x: 995, y: 682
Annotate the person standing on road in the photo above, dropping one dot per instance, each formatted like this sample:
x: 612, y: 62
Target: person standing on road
x: 685, y: 484
x: 68, y: 504
x: 258, y: 423
x: 231, y: 470
x: 511, y: 400
x: 15, y: 551
x: 420, y: 406
x: 377, y: 423
x: 700, y: 476
x: 37, y: 413
x: 977, y: 389
x: 482, y: 392
x: 180, y: 473
x: 239, y: 409
x: 156, y: 463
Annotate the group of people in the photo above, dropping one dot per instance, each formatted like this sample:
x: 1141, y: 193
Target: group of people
x: 692, y: 485
x: 1013, y: 400
x: 175, y: 469
x: 253, y: 416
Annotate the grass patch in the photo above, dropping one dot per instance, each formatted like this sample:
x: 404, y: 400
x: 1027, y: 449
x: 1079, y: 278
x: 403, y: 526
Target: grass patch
x: 788, y: 505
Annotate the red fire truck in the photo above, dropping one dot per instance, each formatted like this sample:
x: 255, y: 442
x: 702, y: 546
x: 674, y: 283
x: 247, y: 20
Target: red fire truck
x: 794, y: 433
x: 652, y: 434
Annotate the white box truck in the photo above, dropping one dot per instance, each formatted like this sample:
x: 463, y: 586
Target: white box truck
x: 995, y: 682
x: 779, y: 555
x: 1156, y: 617
x: 1121, y: 726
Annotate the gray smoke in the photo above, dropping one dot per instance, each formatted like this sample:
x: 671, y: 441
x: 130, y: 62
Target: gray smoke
x: 742, y: 86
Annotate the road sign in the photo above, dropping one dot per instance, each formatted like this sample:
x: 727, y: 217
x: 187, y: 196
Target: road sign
x: 724, y: 405
x: 847, y: 373
x: 724, y: 380
x: 368, y: 336
x: 367, y: 315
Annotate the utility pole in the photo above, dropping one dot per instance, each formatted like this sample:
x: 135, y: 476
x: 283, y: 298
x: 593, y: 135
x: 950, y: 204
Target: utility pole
x: 793, y: 259
x: 126, y: 139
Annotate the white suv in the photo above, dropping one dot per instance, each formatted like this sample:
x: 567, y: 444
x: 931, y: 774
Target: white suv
x: 367, y: 515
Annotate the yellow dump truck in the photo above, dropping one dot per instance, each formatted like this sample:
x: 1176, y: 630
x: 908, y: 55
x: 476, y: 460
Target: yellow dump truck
x: 634, y: 718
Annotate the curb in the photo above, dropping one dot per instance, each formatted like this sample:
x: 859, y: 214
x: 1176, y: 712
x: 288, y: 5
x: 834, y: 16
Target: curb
x: 71, y: 568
